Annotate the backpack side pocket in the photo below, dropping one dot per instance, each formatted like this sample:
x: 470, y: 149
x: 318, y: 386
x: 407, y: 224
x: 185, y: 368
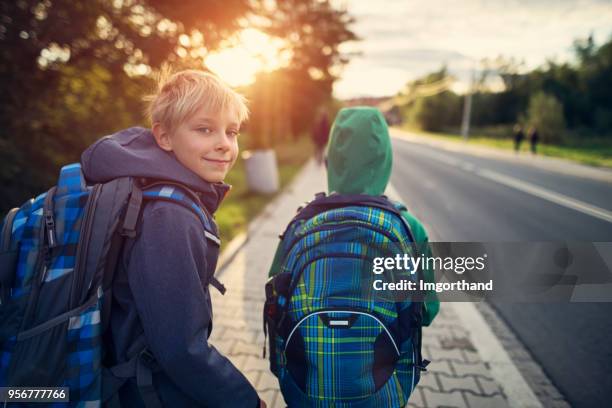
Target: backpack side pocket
x: 8, y: 265
x: 275, y: 287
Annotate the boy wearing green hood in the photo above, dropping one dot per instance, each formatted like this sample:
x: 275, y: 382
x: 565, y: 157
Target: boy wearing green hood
x: 359, y: 163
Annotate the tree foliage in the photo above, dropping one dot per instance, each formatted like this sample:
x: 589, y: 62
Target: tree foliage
x: 437, y: 112
x: 72, y: 71
x: 578, y: 93
x: 314, y: 30
x: 545, y: 113
x: 65, y: 73
x: 430, y: 105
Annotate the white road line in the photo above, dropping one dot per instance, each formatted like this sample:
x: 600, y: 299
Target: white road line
x: 549, y: 195
x: 535, y: 190
x: 505, y: 372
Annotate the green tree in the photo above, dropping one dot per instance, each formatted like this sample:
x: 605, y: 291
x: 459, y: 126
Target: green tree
x: 595, y: 79
x: 545, y: 113
x: 314, y: 31
x: 67, y: 73
x: 429, y: 104
x: 581, y: 88
x: 37, y: 38
x: 438, y: 112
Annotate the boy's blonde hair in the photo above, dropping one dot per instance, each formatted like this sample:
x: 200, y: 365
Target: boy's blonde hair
x: 181, y: 94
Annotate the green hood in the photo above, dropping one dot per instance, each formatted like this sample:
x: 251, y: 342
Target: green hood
x: 359, y: 155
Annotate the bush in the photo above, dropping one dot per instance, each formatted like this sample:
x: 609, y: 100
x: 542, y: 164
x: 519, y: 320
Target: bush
x: 545, y: 112
x: 437, y: 112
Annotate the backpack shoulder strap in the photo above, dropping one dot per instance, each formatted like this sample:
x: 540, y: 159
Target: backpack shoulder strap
x: 184, y: 196
x: 398, y: 205
x: 299, y: 214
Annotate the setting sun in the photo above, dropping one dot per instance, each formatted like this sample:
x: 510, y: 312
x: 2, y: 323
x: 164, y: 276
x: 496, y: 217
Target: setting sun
x: 254, y: 52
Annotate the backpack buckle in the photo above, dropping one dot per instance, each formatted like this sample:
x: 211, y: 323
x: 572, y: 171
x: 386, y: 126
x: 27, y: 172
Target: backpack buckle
x: 214, y: 282
x: 423, y: 365
x: 132, y: 212
x: 50, y: 226
x: 147, y: 358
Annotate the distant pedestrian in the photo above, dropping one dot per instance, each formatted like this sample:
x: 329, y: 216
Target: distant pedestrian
x: 518, y: 137
x: 320, y: 135
x: 533, y: 139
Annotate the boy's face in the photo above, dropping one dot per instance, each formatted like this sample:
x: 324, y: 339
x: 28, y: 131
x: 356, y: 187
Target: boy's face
x: 206, y: 143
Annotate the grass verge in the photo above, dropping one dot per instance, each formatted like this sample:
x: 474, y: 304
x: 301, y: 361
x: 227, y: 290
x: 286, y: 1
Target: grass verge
x: 594, y: 152
x: 241, y: 206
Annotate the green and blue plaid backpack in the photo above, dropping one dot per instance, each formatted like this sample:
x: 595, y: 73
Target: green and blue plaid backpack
x: 58, y: 254
x: 333, y: 341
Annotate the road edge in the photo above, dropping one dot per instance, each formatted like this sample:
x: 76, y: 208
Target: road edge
x: 544, y: 163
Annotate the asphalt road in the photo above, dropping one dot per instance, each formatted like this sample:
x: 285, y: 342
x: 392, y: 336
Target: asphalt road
x: 461, y: 197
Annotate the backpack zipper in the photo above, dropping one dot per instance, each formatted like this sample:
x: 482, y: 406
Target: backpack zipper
x: 43, y: 258
x: 343, y: 311
x: 414, y: 364
x: 83, y: 247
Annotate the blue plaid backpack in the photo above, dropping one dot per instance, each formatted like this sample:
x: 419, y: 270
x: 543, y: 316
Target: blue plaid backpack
x: 58, y: 253
x: 333, y: 342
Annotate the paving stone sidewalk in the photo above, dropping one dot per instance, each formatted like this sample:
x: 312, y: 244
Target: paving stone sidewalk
x: 457, y: 376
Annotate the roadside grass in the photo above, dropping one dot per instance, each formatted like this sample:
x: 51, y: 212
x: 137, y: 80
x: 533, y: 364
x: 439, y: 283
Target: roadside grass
x: 241, y: 206
x: 591, y: 151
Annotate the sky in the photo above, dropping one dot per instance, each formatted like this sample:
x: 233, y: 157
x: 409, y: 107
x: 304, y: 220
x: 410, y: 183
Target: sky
x: 404, y: 39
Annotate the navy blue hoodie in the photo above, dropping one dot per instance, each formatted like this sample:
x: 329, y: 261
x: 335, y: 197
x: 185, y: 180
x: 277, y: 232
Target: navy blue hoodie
x: 159, y: 292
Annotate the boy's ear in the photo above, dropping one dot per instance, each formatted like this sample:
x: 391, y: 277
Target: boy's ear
x: 162, y: 137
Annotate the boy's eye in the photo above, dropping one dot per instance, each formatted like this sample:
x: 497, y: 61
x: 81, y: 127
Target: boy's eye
x: 205, y: 130
x: 233, y: 133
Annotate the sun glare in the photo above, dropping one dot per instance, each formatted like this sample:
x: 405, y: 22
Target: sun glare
x: 254, y: 52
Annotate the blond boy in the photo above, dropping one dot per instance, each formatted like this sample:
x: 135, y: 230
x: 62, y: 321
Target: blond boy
x: 161, y: 299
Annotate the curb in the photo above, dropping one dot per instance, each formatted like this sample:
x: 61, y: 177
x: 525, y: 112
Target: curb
x: 515, y: 386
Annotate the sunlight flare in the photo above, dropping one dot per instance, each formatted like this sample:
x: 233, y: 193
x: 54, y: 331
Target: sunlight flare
x: 254, y: 52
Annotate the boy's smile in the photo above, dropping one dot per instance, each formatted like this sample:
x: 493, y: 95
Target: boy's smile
x: 206, y: 143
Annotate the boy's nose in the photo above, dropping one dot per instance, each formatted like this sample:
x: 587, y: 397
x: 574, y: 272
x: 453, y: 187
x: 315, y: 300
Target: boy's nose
x: 223, y: 143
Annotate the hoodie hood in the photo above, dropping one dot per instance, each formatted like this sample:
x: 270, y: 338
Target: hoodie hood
x: 133, y: 152
x: 359, y: 155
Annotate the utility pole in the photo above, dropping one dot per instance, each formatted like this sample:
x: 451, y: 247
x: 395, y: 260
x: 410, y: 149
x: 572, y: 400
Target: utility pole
x: 467, y: 110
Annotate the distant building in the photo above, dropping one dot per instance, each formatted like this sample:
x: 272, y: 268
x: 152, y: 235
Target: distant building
x: 386, y: 105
